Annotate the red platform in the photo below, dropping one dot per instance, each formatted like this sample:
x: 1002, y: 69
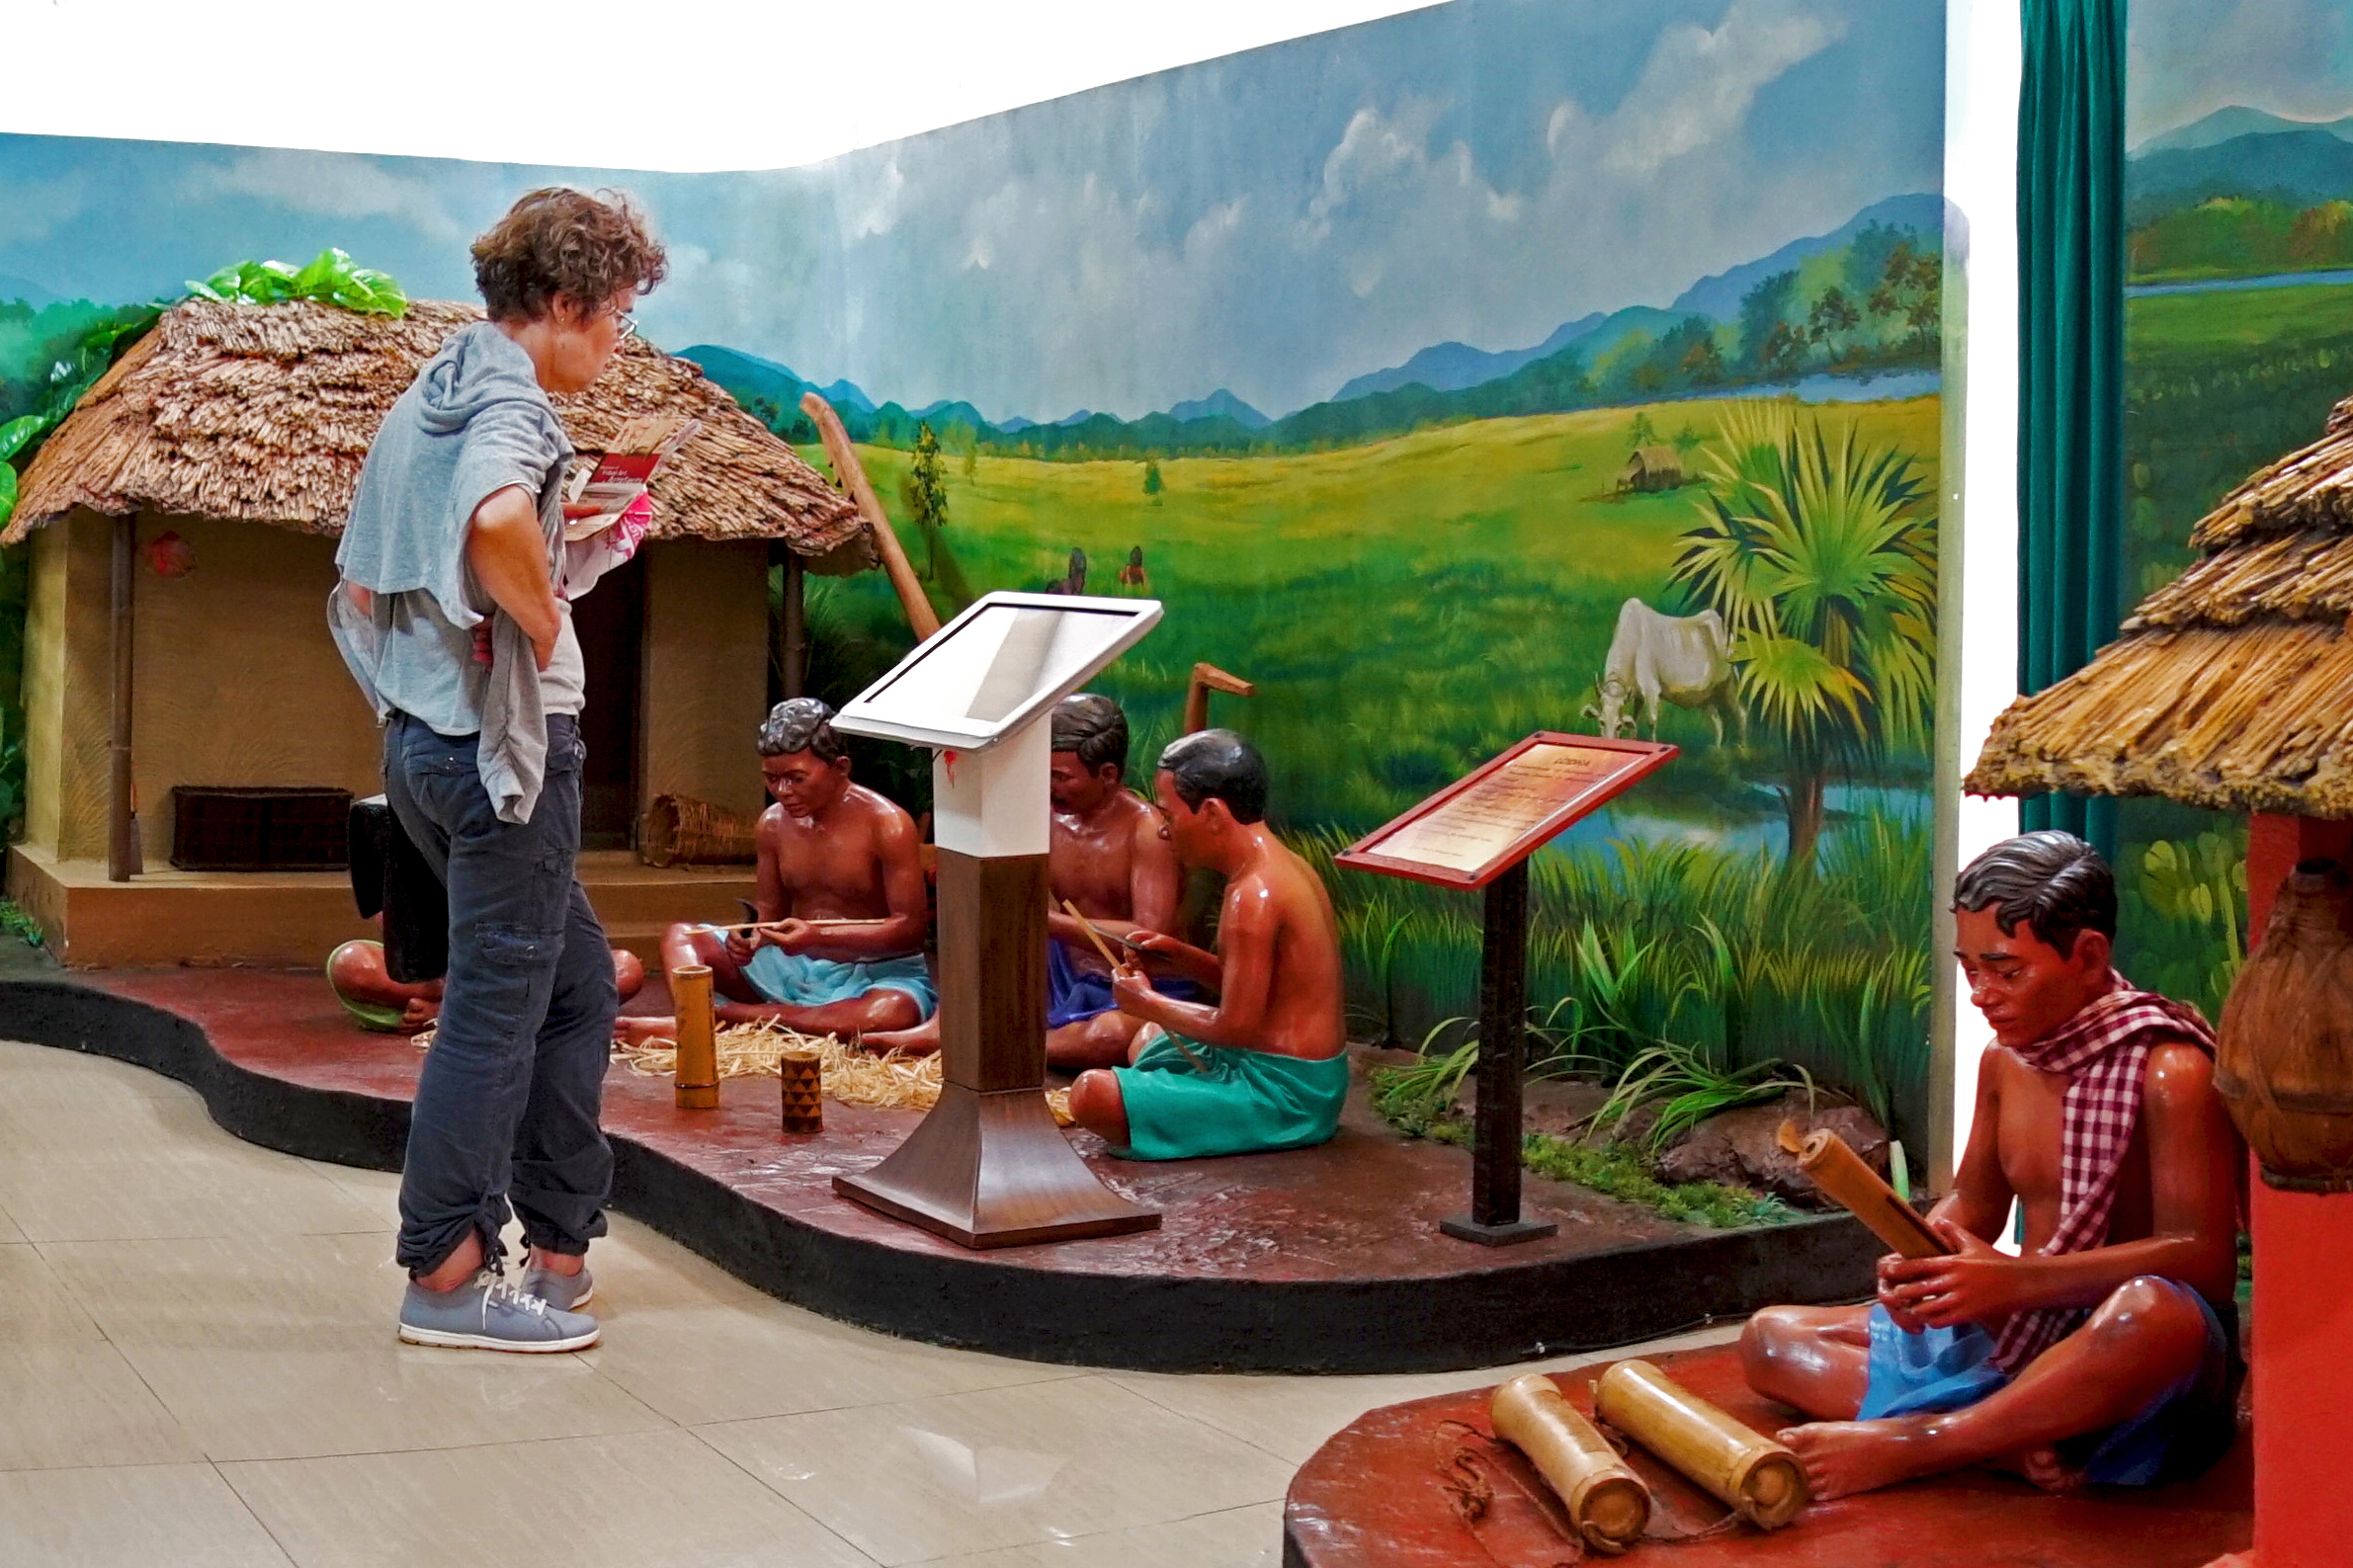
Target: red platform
x: 1319, y: 1260
x: 1373, y: 1497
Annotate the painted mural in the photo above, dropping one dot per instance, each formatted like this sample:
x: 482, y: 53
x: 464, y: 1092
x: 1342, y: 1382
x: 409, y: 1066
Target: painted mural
x: 1510, y: 364
x: 2238, y: 316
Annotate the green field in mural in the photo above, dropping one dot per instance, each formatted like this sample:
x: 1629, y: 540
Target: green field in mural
x: 1409, y: 607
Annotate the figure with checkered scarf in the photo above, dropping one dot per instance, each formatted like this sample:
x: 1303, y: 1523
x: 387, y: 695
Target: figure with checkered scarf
x: 2107, y: 1351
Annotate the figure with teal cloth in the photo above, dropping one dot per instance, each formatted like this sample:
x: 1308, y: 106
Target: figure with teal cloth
x: 1264, y: 1066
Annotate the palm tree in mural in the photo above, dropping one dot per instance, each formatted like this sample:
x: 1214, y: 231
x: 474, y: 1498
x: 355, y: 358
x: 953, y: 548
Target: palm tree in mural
x: 1819, y: 549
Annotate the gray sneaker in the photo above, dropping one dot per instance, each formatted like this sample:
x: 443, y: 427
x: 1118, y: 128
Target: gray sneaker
x: 565, y: 1292
x: 491, y: 1315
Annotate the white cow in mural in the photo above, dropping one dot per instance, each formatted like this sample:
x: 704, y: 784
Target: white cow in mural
x: 1685, y: 660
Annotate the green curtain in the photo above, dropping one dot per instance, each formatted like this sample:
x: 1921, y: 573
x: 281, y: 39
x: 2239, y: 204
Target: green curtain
x: 2070, y: 360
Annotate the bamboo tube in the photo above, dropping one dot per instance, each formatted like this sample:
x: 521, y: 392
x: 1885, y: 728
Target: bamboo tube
x: 1607, y: 1502
x: 1755, y: 1476
x: 800, y: 1076
x: 697, y: 1039
x: 1840, y: 1171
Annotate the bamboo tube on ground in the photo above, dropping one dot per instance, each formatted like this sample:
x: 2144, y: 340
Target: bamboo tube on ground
x: 1840, y: 1171
x: 1607, y: 1502
x: 800, y: 1076
x: 697, y: 1038
x: 1756, y: 1478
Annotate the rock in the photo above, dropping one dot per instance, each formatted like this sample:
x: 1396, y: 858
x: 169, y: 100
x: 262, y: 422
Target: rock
x: 1740, y: 1147
x: 1547, y: 1104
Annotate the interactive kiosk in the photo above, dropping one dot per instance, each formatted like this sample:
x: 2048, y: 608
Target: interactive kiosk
x: 988, y: 1166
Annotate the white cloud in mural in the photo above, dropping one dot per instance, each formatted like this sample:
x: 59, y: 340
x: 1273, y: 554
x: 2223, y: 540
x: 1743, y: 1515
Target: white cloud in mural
x: 878, y: 212
x: 1699, y: 84
x: 334, y: 185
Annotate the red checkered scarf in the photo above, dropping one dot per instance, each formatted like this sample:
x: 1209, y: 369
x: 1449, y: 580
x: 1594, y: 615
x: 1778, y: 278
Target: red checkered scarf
x: 2105, y: 1048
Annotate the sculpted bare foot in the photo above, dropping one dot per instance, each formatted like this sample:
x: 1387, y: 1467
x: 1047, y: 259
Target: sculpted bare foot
x: 1843, y: 1457
x: 2045, y: 1468
x: 921, y: 1040
x: 645, y: 1031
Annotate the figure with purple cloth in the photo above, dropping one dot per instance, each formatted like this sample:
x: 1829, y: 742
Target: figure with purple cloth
x: 1106, y: 856
x: 2108, y: 1351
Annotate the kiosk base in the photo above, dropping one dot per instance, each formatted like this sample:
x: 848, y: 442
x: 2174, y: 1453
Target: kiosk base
x: 990, y: 1169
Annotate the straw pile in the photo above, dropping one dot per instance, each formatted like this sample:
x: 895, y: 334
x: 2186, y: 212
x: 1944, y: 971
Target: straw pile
x: 263, y: 413
x: 893, y: 1081
x: 2231, y: 686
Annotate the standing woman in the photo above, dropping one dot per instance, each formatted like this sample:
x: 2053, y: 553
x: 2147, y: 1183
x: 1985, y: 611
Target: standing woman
x: 449, y: 618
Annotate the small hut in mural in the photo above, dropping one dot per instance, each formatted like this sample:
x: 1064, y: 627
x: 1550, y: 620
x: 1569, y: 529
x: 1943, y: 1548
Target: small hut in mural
x: 2231, y: 686
x: 1652, y: 468
x: 191, y: 504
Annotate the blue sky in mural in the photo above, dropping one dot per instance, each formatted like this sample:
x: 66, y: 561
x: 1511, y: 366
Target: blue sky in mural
x: 2192, y: 57
x: 1273, y: 223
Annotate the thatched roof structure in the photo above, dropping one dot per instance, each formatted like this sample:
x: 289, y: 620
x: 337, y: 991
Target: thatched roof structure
x: 2231, y: 686
x: 263, y: 413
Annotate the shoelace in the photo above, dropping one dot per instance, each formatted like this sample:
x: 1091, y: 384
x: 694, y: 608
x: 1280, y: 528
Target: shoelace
x: 502, y: 1291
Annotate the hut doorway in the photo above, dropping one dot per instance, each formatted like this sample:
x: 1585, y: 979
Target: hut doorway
x: 610, y: 621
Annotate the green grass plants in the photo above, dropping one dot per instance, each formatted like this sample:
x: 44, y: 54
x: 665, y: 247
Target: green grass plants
x: 1615, y: 1171
x: 1686, y: 1089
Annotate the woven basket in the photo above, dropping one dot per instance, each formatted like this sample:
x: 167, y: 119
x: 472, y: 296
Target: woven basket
x: 680, y: 830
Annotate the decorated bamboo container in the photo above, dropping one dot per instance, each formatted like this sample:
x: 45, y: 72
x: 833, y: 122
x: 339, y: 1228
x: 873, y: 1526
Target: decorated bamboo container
x: 1607, y: 1502
x: 2285, y: 1062
x: 1750, y: 1473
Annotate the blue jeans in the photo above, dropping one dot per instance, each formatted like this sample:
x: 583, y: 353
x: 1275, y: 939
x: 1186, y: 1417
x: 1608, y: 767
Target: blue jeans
x: 508, y: 1101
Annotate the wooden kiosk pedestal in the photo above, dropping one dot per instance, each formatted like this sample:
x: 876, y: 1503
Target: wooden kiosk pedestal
x: 1476, y: 834
x: 988, y: 1166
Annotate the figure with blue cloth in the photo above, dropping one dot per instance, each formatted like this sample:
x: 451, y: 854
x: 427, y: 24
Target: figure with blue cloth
x: 2108, y: 1351
x: 1105, y: 854
x: 838, y: 947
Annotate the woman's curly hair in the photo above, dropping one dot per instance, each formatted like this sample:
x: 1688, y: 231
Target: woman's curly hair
x: 560, y: 240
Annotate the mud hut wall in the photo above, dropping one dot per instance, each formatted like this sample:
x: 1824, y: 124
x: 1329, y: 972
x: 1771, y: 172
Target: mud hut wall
x: 236, y: 679
x: 68, y: 686
x: 704, y: 663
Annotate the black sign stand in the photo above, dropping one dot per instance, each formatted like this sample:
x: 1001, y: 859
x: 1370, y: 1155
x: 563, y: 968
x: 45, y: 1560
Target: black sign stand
x: 1495, y: 1218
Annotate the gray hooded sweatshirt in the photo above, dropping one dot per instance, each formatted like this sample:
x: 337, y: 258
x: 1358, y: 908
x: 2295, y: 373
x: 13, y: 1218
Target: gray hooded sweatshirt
x: 473, y: 423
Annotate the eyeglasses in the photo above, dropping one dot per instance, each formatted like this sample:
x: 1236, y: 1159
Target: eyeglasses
x: 629, y: 325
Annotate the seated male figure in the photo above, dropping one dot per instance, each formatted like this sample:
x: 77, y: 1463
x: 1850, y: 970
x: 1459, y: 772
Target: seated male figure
x: 379, y: 1002
x: 2108, y: 1351
x: 838, y: 949
x: 1264, y: 1066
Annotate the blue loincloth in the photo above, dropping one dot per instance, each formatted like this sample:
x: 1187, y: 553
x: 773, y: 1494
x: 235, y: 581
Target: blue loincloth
x: 1073, y: 995
x: 797, y: 979
x: 2177, y: 1435
x: 1186, y: 1101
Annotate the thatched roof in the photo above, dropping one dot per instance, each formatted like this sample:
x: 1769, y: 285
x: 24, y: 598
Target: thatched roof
x: 2231, y: 686
x: 263, y: 413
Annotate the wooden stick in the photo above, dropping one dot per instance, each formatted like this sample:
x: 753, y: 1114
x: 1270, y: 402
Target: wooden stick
x: 813, y: 924
x: 877, y: 522
x: 1093, y: 935
x: 1840, y: 1171
x: 1607, y: 1502
x: 1206, y: 679
x: 1742, y: 1469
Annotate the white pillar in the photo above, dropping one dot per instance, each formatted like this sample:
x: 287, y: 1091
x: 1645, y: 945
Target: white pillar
x: 1978, y: 663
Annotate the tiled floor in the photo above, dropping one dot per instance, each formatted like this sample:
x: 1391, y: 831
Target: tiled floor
x: 198, y: 1371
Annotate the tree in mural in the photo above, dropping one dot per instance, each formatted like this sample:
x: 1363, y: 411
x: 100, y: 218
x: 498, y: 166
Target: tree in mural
x: 1152, y: 482
x: 1819, y: 549
x: 926, y: 495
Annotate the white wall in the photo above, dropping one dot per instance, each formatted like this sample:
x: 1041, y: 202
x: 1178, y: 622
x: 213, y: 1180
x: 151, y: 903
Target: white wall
x: 1981, y: 554
x: 685, y: 85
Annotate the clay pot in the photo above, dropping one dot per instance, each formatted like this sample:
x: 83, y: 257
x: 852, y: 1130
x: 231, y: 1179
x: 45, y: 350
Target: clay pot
x: 2285, y: 1066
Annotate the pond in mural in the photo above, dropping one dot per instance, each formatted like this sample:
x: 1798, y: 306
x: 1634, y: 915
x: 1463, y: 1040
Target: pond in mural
x: 1449, y: 378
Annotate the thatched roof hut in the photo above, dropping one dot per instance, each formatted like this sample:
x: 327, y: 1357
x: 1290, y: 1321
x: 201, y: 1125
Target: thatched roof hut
x: 263, y: 414
x: 1652, y: 468
x: 2231, y: 686
x: 177, y: 650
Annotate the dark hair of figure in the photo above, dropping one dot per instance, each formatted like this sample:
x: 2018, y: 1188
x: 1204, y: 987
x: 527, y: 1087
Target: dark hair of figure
x: 558, y: 240
x: 1094, y: 727
x: 801, y: 723
x: 2051, y: 880
x: 1218, y: 765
